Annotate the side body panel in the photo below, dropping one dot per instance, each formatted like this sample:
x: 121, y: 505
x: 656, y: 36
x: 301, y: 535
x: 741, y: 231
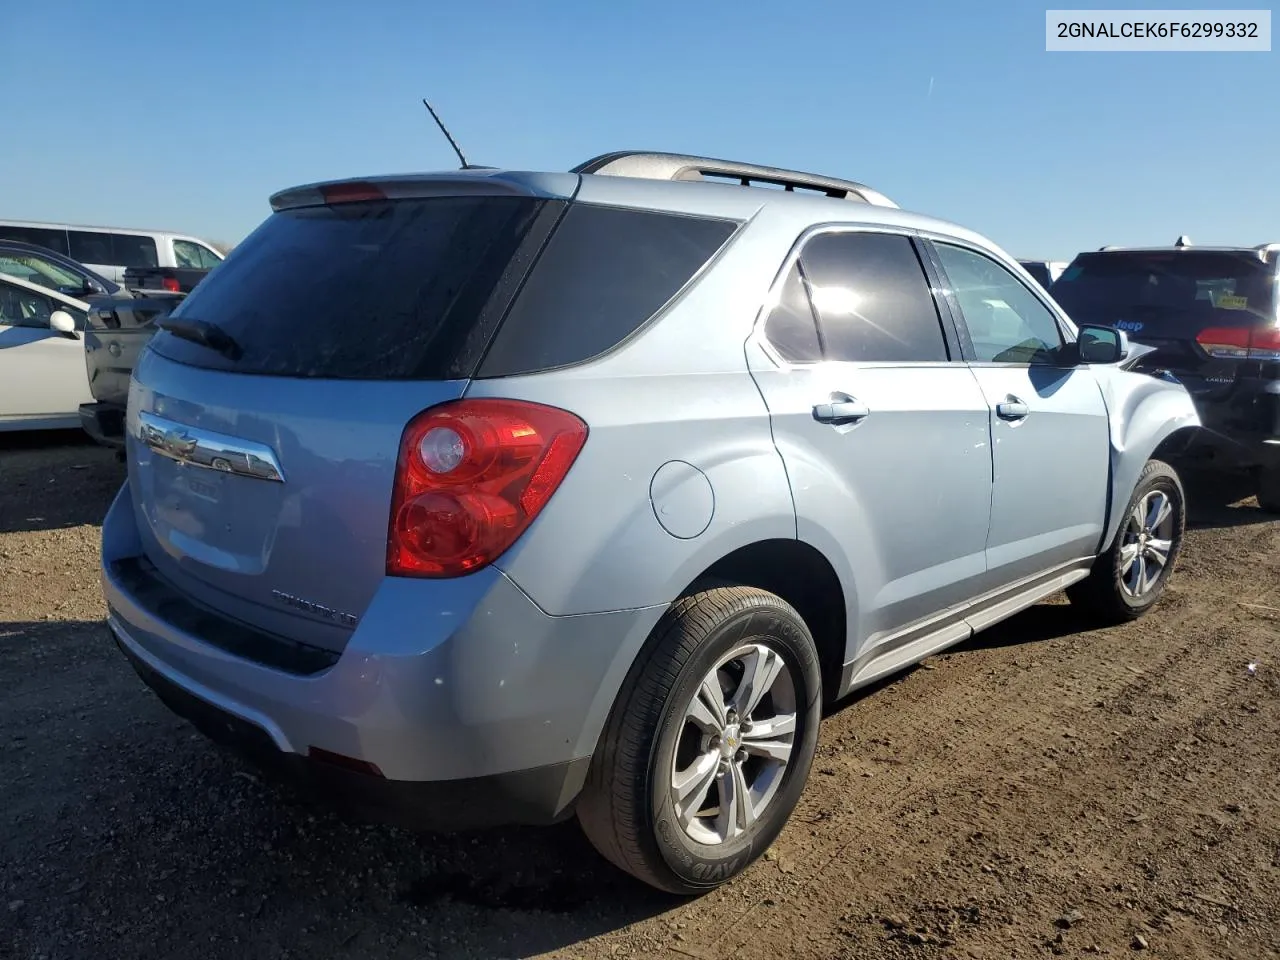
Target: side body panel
x: 42, y: 378
x: 898, y: 502
x: 678, y: 392
x: 1143, y: 411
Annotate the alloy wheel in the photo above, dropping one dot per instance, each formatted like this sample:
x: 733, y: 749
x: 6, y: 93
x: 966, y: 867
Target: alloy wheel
x: 1147, y: 544
x: 734, y: 745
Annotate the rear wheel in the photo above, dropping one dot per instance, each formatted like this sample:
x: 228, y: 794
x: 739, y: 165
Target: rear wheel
x: 1131, y: 576
x: 709, y: 743
x: 1269, y: 489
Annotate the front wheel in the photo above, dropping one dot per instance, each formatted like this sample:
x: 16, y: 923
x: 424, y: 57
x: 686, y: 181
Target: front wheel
x: 1130, y: 577
x: 709, y: 744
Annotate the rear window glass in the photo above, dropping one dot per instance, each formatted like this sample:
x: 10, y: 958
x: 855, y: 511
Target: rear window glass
x: 40, y: 236
x: 131, y: 251
x: 381, y: 290
x: 112, y: 249
x: 605, y: 273
x: 1215, y: 288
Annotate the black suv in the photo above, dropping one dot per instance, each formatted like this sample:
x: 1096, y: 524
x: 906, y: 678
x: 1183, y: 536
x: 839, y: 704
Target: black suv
x: 1213, y: 315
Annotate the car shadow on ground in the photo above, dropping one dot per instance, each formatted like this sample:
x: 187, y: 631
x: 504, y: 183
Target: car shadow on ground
x: 1218, y: 499
x: 54, y: 479
x: 115, y: 807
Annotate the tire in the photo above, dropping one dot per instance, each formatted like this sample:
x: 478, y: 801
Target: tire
x: 1110, y: 591
x: 1269, y: 489
x: 627, y: 808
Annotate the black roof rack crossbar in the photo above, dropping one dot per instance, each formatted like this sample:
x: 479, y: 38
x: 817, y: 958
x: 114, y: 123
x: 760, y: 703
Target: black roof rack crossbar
x: 676, y: 166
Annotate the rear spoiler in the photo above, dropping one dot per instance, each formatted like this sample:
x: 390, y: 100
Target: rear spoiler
x: 473, y: 182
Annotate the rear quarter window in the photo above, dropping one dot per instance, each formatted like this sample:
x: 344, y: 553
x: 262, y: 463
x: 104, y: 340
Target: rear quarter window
x: 605, y: 273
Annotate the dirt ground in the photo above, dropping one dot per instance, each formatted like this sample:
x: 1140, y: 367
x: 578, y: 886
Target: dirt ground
x: 1043, y: 790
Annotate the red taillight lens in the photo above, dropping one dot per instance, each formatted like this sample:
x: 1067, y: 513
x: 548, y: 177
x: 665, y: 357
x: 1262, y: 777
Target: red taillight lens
x: 1240, y: 343
x: 170, y: 284
x: 351, y: 193
x: 1265, y: 344
x: 471, y: 477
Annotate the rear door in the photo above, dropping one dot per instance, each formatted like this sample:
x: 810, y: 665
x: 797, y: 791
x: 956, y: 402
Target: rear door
x: 882, y: 427
x: 1050, y: 436
x: 42, y: 372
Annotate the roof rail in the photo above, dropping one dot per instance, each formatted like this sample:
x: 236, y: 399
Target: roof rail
x: 1266, y: 249
x: 677, y: 166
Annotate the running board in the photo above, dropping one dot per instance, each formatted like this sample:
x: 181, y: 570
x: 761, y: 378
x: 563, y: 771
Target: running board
x: 911, y: 645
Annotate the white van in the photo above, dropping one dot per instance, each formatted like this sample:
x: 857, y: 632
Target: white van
x: 109, y: 250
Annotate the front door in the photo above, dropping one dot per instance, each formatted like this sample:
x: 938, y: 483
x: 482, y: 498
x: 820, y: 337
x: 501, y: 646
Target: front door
x: 1050, y: 436
x: 42, y: 372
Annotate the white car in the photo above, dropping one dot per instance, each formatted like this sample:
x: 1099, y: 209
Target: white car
x: 109, y: 251
x: 43, y: 379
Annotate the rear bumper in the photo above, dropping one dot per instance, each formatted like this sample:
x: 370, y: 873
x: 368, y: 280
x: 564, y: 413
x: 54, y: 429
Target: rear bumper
x: 104, y: 422
x: 448, y: 688
x: 536, y: 796
x: 1241, y: 428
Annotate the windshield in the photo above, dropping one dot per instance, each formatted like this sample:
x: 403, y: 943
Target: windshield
x: 1215, y: 288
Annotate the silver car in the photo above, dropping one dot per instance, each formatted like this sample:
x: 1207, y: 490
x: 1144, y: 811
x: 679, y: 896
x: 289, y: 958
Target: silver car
x: 497, y: 497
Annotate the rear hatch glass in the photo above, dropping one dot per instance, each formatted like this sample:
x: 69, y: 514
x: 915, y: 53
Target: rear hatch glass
x: 387, y: 290
x: 1173, y: 294
x: 1166, y: 298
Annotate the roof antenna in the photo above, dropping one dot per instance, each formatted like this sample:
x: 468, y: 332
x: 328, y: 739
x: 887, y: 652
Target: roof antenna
x: 453, y: 143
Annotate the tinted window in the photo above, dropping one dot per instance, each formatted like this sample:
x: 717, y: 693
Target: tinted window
x: 88, y: 246
x: 1188, y: 288
x: 1006, y: 321
x: 53, y: 239
x: 380, y: 290
x: 791, y: 327
x: 872, y: 298
x: 131, y: 251
x: 112, y: 249
x: 605, y: 272
x: 20, y: 307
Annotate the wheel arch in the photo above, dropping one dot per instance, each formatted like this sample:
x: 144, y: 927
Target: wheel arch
x: 801, y: 575
x: 1150, y: 418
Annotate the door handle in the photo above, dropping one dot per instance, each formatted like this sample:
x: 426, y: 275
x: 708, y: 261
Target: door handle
x: 841, y: 409
x: 1012, y: 408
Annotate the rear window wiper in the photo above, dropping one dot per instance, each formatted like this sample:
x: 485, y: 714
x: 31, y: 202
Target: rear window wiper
x: 204, y: 333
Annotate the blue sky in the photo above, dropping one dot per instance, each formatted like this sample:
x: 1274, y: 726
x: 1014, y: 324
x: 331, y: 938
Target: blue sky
x: 187, y: 116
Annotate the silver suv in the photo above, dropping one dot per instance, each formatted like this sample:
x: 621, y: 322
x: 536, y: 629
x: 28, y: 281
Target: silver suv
x: 495, y: 497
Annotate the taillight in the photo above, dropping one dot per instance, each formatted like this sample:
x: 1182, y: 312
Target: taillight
x: 471, y: 476
x: 1265, y: 344
x: 1241, y: 343
x: 351, y: 193
x: 170, y: 284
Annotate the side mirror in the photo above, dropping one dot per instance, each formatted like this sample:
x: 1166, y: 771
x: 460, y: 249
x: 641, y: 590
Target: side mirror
x: 63, y: 323
x: 1102, y: 345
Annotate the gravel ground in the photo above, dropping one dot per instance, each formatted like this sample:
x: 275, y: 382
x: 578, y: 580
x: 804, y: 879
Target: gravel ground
x: 1044, y: 790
